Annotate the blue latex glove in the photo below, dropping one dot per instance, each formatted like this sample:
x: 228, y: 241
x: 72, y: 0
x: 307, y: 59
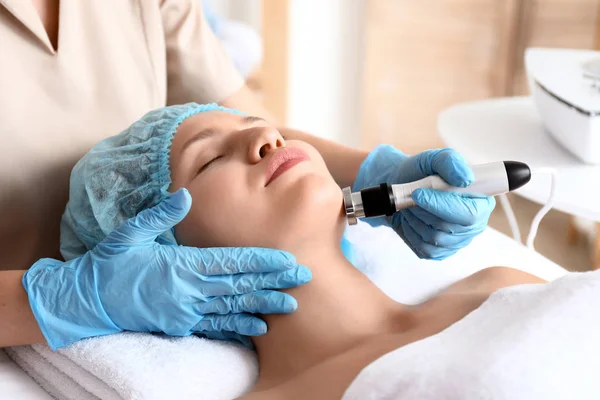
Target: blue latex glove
x: 130, y: 282
x: 442, y: 222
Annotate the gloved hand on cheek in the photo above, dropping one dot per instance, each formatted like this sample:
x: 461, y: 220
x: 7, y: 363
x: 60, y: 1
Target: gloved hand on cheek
x: 442, y: 222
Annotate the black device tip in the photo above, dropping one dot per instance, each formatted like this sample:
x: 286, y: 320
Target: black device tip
x: 378, y: 201
x: 518, y: 174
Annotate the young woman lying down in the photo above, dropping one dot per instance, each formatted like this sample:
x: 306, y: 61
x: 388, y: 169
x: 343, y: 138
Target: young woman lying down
x: 252, y: 187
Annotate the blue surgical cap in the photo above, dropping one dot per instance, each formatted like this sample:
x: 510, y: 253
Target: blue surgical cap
x: 121, y: 176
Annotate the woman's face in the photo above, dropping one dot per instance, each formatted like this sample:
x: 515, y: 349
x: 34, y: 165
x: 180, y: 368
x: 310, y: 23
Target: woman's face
x: 250, y: 186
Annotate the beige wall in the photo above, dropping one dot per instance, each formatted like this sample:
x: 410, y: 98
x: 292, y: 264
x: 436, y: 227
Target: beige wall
x: 411, y: 59
x: 423, y: 56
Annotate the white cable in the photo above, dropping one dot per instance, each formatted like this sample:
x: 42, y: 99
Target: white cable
x: 510, y: 217
x: 549, y: 204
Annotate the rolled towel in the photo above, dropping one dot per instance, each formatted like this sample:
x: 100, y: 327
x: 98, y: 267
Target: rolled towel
x: 51, y: 379
x: 141, y: 366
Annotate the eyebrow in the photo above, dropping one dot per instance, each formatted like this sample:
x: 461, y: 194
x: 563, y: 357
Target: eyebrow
x: 202, y: 135
x: 248, y: 120
x: 210, y: 132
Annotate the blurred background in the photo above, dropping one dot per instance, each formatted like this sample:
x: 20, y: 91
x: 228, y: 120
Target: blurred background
x: 364, y: 72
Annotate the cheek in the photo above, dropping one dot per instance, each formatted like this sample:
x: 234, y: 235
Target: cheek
x: 224, y: 212
x: 205, y: 225
x: 316, y: 158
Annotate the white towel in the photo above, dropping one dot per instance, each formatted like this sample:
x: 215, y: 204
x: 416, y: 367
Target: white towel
x: 51, y: 379
x: 526, y: 342
x: 143, y: 366
x: 140, y: 366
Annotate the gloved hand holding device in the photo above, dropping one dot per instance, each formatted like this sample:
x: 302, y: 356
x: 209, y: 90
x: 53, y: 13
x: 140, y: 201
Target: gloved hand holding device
x: 442, y: 222
x: 131, y: 282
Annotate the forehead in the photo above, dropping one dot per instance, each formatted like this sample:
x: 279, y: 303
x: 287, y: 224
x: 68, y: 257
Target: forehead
x: 204, y: 120
x: 192, y: 126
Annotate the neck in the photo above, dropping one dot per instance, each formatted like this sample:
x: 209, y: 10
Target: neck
x: 339, y: 308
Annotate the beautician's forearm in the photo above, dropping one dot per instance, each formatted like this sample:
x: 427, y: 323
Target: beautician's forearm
x: 343, y: 162
x: 17, y: 323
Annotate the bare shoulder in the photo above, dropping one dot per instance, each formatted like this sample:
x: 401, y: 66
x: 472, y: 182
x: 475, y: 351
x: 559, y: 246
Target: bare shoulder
x: 507, y: 275
x: 270, y: 394
x: 466, y: 295
x: 491, y: 279
x: 257, y: 396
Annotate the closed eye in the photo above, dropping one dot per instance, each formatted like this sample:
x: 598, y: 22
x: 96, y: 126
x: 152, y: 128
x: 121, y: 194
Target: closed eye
x: 205, y: 166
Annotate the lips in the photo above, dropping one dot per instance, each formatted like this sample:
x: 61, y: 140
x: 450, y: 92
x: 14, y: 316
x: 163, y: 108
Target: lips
x: 282, y: 161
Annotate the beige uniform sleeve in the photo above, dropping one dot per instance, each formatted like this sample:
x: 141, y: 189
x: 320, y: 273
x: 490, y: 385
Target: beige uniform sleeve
x: 198, y: 69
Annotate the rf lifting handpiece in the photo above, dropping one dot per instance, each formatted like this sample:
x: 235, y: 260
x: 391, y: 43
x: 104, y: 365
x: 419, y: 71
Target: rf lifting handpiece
x: 490, y: 179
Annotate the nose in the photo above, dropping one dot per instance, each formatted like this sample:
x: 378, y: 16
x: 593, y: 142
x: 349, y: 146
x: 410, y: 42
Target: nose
x: 264, y: 141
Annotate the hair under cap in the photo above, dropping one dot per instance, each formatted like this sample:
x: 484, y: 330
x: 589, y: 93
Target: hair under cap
x: 121, y: 176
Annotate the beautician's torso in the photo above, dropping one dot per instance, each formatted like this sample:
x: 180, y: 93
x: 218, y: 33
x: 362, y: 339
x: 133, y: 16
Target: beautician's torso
x: 331, y: 378
x: 71, y: 76
x: 61, y: 103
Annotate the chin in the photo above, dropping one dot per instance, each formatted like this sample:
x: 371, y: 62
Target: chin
x: 311, y: 206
